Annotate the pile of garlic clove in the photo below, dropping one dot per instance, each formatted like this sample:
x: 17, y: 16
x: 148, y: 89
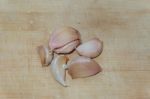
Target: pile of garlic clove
x: 63, y: 43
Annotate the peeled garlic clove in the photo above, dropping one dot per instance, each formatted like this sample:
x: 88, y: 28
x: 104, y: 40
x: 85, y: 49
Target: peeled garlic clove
x: 45, y: 56
x: 58, y: 69
x: 91, y: 48
x: 68, y: 48
x: 63, y: 36
x: 81, y: 67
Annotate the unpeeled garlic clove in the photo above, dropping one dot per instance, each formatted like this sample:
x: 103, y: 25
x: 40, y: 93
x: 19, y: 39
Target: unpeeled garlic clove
x: 57, y: 67
x: 62, y: 37
x: 91, y: 48
x: 68, y: 48
x: 81, y: 67
x: 45, y: 56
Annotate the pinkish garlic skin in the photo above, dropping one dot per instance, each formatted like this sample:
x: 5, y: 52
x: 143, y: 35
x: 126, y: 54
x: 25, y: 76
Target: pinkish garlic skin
x: 58, y: 69
x: 68, y: 48
x: 91, y: 48
x: 45, y: 56
x: 81, y: 67
x: 63, y: 36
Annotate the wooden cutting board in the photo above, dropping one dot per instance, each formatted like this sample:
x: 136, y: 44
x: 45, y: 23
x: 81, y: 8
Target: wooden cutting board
x: 123, y: 25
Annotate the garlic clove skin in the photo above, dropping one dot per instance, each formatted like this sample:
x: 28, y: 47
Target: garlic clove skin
x: 68, y: 48
x: 91, y: 48
x: 63, y: 36
x: 71, y: 57
x: 57, y: 68
x: 45, y: 56
x: 81, y: 67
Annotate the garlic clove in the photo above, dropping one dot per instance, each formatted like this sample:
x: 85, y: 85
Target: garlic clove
x: 45, y: 56
x: 81, y: 67
x: 72, y: 56
x: 58, y: 68
x: 63, y: 36
x: 91, y: 48
x: 68, y: 48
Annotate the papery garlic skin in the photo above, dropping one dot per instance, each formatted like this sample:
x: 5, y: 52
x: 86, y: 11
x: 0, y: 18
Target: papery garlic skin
x: 91, y: 48
x: 68, y: 48
x: 62, y: 37
x: 81, y: 67
x: 45, y: 56
x: 57, y: 68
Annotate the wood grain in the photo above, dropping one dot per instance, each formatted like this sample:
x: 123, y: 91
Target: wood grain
x: 123, y: 25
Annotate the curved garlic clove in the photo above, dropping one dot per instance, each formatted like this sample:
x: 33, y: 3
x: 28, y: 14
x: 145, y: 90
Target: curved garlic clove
x: 45, y: 56
x: 58, y: 69
x: 91, y: 48
x: 81, y: 67
x: 63, y: 36
x: 68, y: 48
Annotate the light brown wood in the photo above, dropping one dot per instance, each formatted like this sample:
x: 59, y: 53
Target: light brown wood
x: 123, y: 25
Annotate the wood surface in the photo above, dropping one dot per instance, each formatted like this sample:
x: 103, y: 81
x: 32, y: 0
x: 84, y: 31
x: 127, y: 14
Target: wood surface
x: 123, y: 25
